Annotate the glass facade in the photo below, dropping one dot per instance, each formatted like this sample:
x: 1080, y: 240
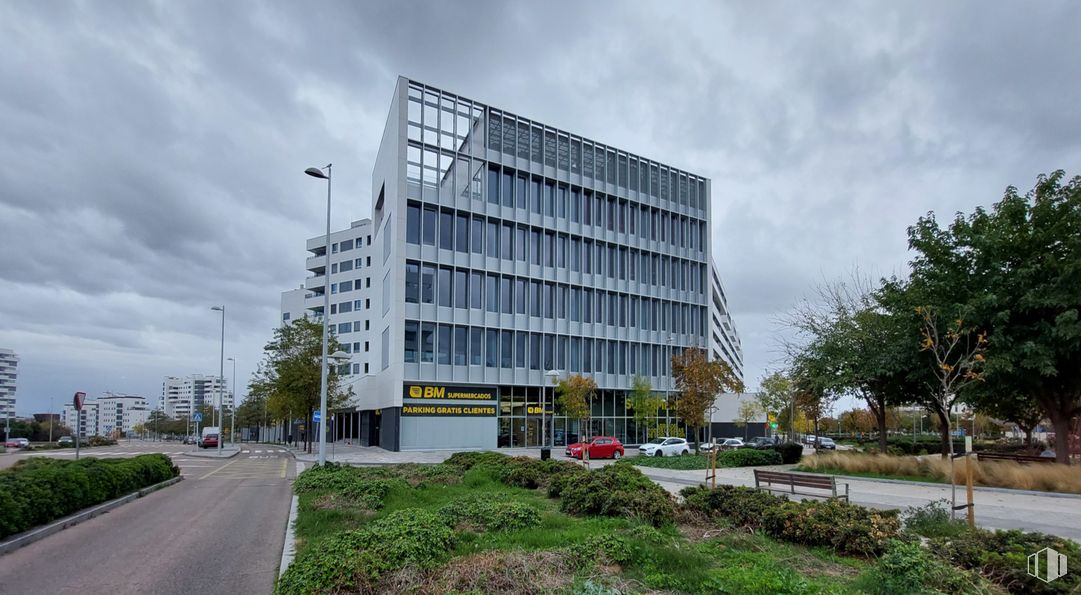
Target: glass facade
x: 530, y: 249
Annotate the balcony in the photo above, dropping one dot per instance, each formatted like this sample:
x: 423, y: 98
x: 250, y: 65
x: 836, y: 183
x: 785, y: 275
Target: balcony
x: 316, y: 284
x: 316, y: 264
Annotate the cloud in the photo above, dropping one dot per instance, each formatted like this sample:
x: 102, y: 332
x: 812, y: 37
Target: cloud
x: 151, y: 159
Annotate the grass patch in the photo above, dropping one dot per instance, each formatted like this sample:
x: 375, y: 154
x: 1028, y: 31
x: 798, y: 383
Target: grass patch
x: 754, y: 563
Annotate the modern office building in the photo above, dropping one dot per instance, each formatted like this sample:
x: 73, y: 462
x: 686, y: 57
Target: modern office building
x: 109, y: 414
x: 503, y: 254
x: 9, y: 363
x: 182, y: 395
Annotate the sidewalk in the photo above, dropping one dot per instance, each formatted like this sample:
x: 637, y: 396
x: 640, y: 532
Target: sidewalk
x: 996, y: 508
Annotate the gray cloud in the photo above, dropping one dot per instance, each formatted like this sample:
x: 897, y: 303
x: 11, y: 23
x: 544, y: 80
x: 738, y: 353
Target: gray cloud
x: 151, y: 156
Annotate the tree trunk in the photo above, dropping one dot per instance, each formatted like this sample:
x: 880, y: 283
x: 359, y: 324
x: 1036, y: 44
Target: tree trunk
x: 1061, y: 410
x: 1028, y: 433
x: 816, y: 433
x: 944, y: 431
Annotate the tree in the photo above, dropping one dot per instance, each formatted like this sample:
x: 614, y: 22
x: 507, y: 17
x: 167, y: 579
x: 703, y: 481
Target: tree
x: 644, y: 404
x: 574, y: 395
x: 748, y: 410
x: 857, y: 421
x: 289, y: 375
x: 1014, y: 270
x: 956, y: 359
x: 699, y: 380
x: 776, y: 397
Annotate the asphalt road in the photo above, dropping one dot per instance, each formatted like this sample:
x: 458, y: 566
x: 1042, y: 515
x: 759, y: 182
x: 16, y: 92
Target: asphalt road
x: 220, y: 530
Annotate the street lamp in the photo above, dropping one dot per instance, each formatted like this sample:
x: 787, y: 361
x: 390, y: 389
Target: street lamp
x: 221, y: 375
x: 335, y: 358
x: 316, y: 172
x: 232, y: 409
x: 553, y: 376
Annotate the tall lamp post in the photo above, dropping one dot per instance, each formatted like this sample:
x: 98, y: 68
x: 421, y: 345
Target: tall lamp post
x: 316, y: 172
x: 221, y: 376
x: 232, y: 408
x: 553, y: 376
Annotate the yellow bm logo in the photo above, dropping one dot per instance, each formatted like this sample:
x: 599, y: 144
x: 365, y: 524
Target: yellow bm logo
x: 427, y: 392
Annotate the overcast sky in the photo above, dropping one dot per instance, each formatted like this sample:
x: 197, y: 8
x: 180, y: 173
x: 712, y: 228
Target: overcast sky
x: 151, y: 153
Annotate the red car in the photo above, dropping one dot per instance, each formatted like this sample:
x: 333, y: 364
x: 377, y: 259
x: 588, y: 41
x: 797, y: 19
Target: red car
x: 209, y: 441
x: 601, y: 447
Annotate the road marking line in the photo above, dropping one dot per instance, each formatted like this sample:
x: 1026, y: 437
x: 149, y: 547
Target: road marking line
x: 285, y: 466
x: 219, y: 469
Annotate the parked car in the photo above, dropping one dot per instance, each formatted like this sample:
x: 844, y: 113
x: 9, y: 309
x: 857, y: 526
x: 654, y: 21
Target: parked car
x: 209, y: 441
x: 191, y: 439
x: 65, y: 441
x: 664, y: 447
x: 827, y: 443
x: 11, y: 443
x: 763, y: 442
x: 600, y: 447
x: 730, y: 443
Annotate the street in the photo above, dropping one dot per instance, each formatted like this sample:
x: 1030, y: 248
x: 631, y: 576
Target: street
x: 221, y: 529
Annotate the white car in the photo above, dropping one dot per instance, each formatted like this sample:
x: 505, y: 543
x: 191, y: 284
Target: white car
x: 731, y: 443
x: 664, y: 447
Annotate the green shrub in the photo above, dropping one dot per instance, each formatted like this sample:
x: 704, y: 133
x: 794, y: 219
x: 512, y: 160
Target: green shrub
x: 370, y: 493
x: 1002, y: 557
x: 617, y: 490
x: 354, y: 560
x: 744, y: 507
x: 748, y: 457
x: 932, y: 520
x: 568, y: 477
x: 490, y: 514
x: 847, y: 528
x: 908, y: 568
x: 467, y: 460
x: 100, y: 441
x: 791, y: 452
x: 36, y: 492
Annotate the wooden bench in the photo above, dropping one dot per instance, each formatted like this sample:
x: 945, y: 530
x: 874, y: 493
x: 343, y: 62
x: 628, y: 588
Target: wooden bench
x: 788, y: 482
x: 999, y: 456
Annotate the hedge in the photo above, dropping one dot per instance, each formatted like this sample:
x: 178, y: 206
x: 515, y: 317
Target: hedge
x: 791, y: 452
x: 846, y: 528
x: 39, y: 491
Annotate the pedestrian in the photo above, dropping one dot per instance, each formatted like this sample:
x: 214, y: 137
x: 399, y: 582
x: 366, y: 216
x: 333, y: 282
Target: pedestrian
x: 289, y: 439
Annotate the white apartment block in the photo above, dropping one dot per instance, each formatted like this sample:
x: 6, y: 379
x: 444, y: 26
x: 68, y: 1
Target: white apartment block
x: 350, y: 292
x: 87, y: 425
x: 9, y: 363
x: 182, y: 395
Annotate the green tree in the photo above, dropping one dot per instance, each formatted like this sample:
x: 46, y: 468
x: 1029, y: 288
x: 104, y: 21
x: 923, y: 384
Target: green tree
x: 574, y: 395
x: 289, y: 375
x: 644, y: 404
x: 1016, y: 271
x: 776, y: 397
x: 748, y: 410
x: 699, y: 380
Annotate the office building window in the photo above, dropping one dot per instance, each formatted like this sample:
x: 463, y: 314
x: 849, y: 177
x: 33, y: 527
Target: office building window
x: 427, y: 233
x: 444, y: 286
x: 460, y: 345
x: 410, y: 341
x: 412, y: 282
x: 491, y: 348
x: 475, y: 346
x: 443, y: 341
x: 460, y: 289
x: 427, y: 284
x: 427, y: 342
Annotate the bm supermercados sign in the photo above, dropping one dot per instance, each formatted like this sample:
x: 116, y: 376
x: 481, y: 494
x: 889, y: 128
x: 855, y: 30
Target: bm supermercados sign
x: 449, y: 393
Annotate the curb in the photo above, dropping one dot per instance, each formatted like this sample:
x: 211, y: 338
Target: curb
x: 978, y: 488
x: 289, y: 548
x: 28, y: 537
x: 225, y: 454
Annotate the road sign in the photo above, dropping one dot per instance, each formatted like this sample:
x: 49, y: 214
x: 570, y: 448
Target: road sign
x: 77, y: 401
x: 198, y: 417
x: 315, y: 416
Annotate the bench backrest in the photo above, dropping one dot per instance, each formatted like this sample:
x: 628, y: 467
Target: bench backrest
x: 999, y: 456
x: 825, y: 482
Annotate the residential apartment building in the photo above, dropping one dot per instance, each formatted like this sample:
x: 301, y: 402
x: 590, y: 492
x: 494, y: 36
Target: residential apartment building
x: 505, y: 254
x: 9, y: 363
x: 180, y: 396
x: 85, y: 424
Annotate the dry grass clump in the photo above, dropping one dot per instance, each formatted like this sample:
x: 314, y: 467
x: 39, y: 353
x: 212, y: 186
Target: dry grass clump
x: 487, y: 572
x: 1003, y: 474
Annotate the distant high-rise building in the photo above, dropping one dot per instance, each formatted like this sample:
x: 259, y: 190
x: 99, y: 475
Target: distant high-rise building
x: 180, y: 396
x: 9, y: 362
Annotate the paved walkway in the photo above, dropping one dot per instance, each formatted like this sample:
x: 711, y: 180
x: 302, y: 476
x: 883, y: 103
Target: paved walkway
x: 996, y: 508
